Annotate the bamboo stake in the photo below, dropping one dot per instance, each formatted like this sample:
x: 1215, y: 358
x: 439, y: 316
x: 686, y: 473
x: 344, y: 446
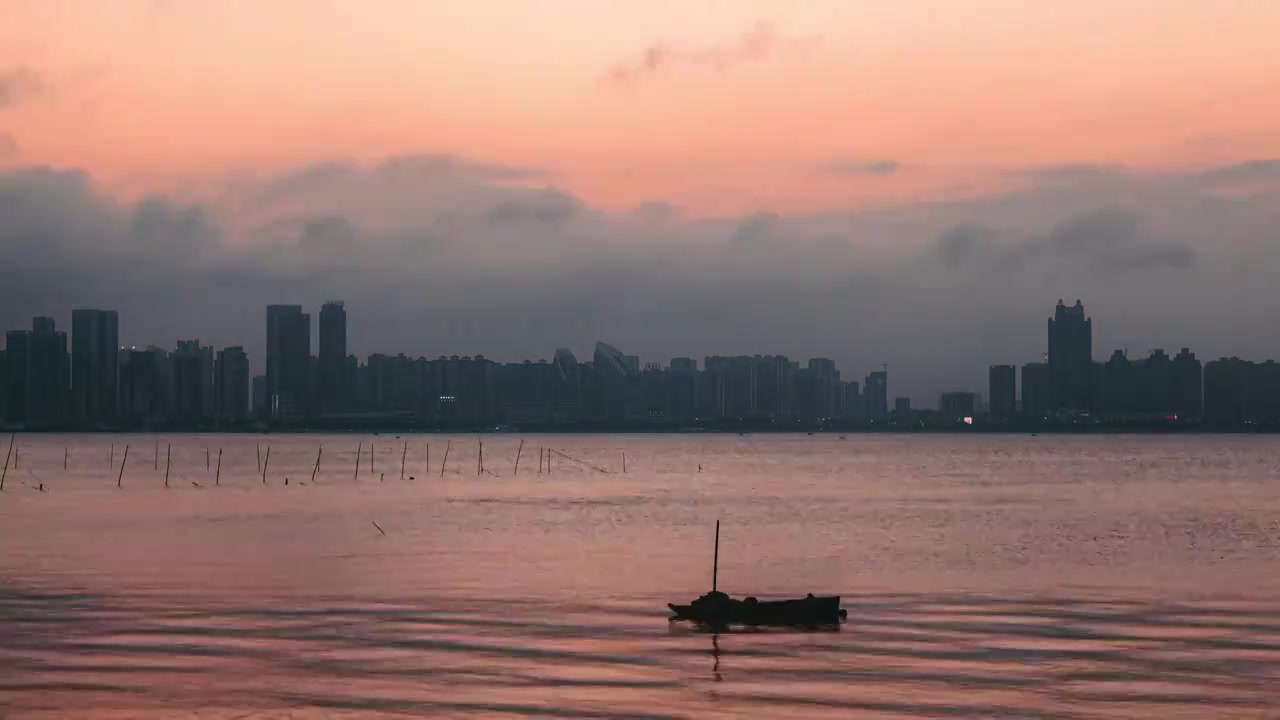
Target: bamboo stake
x: 518, y: 450
x: 258, y: 448
x: 111, y: 459
x: 125, y: 461
x: 480, y: 459
x: 6, y: 463
x: 443, y: 463
x: 217, y: 477
x: 428, y: 457
x: 371, y: 451
x: 624, y: 461
x: 265, y: 463
x: 359, y: 449
x: 168, y: 457
x: 539, y: 461
x: 156, y: 461
x: 403, y: 453
x: 316, y: 469
x: 65, y: 451
x: 206, y: 458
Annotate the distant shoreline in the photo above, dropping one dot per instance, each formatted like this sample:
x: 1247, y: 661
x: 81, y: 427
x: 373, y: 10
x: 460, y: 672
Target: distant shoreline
x: 630, y: 429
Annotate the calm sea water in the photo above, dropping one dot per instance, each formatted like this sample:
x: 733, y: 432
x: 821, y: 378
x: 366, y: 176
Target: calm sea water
x: 993, y: 577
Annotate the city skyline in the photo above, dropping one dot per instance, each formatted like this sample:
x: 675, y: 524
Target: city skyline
x: 47, y: 385
x: 253, y: 346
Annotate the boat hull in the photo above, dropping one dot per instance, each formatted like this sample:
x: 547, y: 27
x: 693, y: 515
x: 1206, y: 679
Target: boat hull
x: 723, y: 612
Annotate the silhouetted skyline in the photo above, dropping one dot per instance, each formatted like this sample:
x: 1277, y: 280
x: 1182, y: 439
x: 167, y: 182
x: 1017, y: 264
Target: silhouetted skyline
x: 47, y: 386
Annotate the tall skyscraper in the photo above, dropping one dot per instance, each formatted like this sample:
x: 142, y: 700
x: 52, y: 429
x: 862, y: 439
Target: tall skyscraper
x: 1002, y: 385
x: 38, y: 374
x: 826, y: 379
x: 334, y: 393
x: 17, y: 352
x: 95, y: 355
x: 288, y: 356
x: 141, y: 396
x: 192, y: 367
x: 231, y: 384
x: 1188, y: 385
x: 1070, y: 358
x: 876, y: 394
x: 1036, y: 390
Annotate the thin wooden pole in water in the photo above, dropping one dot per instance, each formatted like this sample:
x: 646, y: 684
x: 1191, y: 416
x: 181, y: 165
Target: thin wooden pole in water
x: 7, y: 455
x: 480, y: 459
x: 715, y: 562
x: 217, y: 476
x: 65, y: 451
x: 428, y: 457
x: 156, y: 462
x: 359, y: 449
x: 125, y: 461
x: 206, y: 458
x: 518, y: 451
x: 168, y: 458
x: 539, y: 461
x: 265, y: 463
x: 316, y: 469
x: 624, y: 461
x: 258, y: 448
x: 403, y: 453
x: 111, y: 459
x: 448, y: 446
x: 371, y: 451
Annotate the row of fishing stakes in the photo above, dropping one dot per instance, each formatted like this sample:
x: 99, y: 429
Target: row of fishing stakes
x: 544, y: 460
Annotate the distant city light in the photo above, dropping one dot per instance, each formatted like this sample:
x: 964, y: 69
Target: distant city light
x: 968, y: 421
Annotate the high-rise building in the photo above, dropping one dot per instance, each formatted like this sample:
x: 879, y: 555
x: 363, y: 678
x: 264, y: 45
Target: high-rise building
x: 854, y: 403
x: 684, y: 364
x: 140, y: 396
x: 826, y: 379
x: 566, y: 383
x: 231, y: 384
x: 192, y: 375
x: 334, y: 392
x: 1036, y: 389
x: 1070, y: 358
x: 876, y: 392
x: 617, y: 387
x: 1188, y: 400
x: 957, y: 405
x: 288, y: 358
x: 1002, y: 384
x: 17, y: 352
x: 95, y: 356
x: 38, y: 374
x: 258, y: 395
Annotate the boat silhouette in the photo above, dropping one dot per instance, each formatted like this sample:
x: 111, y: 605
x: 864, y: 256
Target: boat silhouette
x: 718, y: 611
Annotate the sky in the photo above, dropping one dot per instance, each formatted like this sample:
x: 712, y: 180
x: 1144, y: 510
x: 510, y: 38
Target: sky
x: 913, y: 183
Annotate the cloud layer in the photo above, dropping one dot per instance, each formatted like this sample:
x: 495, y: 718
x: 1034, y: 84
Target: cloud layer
x: 440, y: 254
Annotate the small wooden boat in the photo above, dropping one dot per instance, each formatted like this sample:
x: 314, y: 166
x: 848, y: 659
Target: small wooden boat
x: 717, y: 611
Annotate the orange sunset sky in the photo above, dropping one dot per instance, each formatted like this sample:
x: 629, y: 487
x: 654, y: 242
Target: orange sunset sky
x: 719, y: 106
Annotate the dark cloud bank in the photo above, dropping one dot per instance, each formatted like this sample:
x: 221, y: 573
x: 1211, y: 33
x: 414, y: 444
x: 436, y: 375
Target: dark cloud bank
x: 442, y: 255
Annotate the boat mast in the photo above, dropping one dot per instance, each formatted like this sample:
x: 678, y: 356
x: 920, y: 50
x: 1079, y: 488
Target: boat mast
x: 715, y: 562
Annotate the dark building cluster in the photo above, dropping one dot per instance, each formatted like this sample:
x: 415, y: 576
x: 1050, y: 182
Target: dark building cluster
x: 612, y: 388
x: 98, y: 384
x: 1071, y: 386
x: 94, y: 383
